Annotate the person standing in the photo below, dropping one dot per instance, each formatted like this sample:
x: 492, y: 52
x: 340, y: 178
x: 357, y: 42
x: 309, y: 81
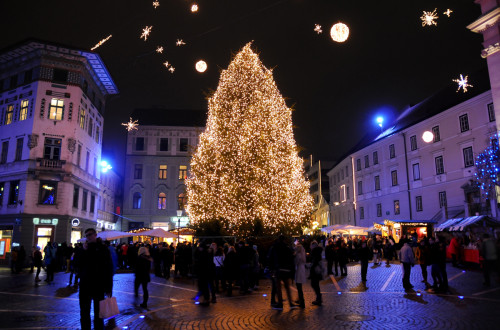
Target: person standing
x: 364, y: 254
x: 37, y: 262
x: 50, y: 260
x: 454, y: 250
x: 422, y: 256
x: 316, y: 271
x: 407, y: 259
x: 330, y: 256
x: 489, y: 253
x: 343, y: 256
x: 230, y: 269
x: 283, y: 267
x: 433, y: 261
x: 142, y: 277
x: 96, y: 278
x: 441, y: 260
x: 300, y: 272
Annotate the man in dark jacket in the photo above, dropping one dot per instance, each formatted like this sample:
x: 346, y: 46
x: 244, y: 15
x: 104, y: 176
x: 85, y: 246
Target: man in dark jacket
x: 330, y: 256
x: 96, y: 278
x: 364, y: 254
x: 282, y: 266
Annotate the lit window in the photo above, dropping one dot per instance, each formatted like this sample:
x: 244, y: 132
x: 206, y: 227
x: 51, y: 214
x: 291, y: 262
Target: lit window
x: 9, y: 114
x: 162, y: 173
x: 48, y: 192
x: 181, y: 201
x: 23, y: 114
x: 162, y: 201
x: 56, y: 109
x: 81, y: 118
x: 182, y: 172
x: 137, y: 199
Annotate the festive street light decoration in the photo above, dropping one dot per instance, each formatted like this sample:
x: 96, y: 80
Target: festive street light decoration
x: 171, y: 69
x: 101, y: 42
x: 339, y: 32
x: 159, y: 49
x: 448, y: 12
x: 201, y: 66
x: 428, y: 136
x: 131, y: 125
x: 180, y: 42
x: 246, y: 173
x: 156, y: 4
x: 145, y: 32
x: 194, y: 8
x: 429, y: 18
x: 317, y: 29
x: 380, y: 121
x: 105, y: 166
x: 488, y: 167
x: 463, y: 83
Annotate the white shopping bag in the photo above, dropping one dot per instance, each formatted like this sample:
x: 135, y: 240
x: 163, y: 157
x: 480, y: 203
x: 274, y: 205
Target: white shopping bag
x: 108, y: 308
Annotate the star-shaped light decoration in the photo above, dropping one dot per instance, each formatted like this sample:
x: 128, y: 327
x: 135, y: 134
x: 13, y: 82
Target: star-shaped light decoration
x: 156, y: 4
x: 180, y: 42
x: 101, y: 42
x: 145, y: 32
x: 429, y: 18
x: 462, y: 83
x: 317, y: 29
x: 194, y: 8
x: 166, y: 64
x: 159, y: 49
x: 171, y: 69
x: 131, y: 124
x: 448, y: 12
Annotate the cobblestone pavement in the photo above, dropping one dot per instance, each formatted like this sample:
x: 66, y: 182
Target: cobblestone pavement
x: 347, y: 304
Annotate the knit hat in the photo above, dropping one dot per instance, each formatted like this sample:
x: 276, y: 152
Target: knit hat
x: 143, y: 250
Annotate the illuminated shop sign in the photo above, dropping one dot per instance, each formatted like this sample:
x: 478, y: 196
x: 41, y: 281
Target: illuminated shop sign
x: 38, y: 221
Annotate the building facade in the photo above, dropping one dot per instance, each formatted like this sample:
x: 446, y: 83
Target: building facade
x: 320, y: 190
x: 157, y: 163
x: 398, y: 176
x: 51, y: 122
x: 110, y: 201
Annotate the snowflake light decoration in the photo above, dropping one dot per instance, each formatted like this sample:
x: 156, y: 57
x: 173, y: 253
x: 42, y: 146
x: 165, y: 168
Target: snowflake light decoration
x: 166, y: 64
x: 131, y: 124
x: 429, y: 18
x: 159, y: 49
x: 171, y: 69
x: 448, y: 12
x: 317, y: 29
x: 156, y: 4
x: 145, y: 32
x: 462, y: 83
x: 101, y: 42
x: 180, y: 42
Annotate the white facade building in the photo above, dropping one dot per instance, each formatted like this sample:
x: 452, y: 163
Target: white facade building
x: 157, y: 162
x: 51, y: 121
x: 320, y: 190
x: 398, y: 176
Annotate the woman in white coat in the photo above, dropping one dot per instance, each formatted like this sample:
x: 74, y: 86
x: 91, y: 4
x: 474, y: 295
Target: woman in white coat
x: 300, y: 272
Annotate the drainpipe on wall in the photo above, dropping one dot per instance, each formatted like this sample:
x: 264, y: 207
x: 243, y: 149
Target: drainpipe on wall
x: 353, y: 192
x: 407, y: 176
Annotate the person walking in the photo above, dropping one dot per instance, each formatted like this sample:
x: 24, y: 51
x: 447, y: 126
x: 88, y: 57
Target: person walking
x: 343, y: 258
x: 50, y: 260
x: 316, y: 272
x: 37, y: 262
x: 433, y: 261
x: 142, y: 274
x: 96, y: 278
x: 75, y: 264
x: 330, y: 256
x: 441, y: 260
x: 490, y: 256
x: 300, y: 272
x: 407, y: 259
x: 422, y: 256
x: 364, y: 254
x: 283, y: 267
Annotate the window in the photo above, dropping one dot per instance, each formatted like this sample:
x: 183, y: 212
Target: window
x: 60, y: 76
x: 13, y: 82
x: 48, y: 193
x: 418, y: 202
x: 396, y: 207
x: 76, y: 195
x: 394, y: 177
x: 81, y: 118
x: 181, y: 201
x: 360, y: 187
x: 392, y: 151
x: 162, y: 201
x: 442, y: 199
x: 2, y: 186
x: 413, y: 142
x: 379, y: 210
x: 56, y: 109
x: 435, y: 132
x: 97, y: 134
x: 377, y: 182
x: 491, y: 112
x: 358, y: 164
x: 9, y: 114
x: 346, y: 171
x: 361, y: 213
x: 163, y: 144
x: 183, y: 144
x: 5, y: 152
x: 182, y: 172
x: 92, y: 203
x: 347, y: 192
x: 84, y: 200
x: 138, y: 171
x: 162, y: 173
x: 468, y: 157
x: 14, y: 192
x: 19, y: 149
x: 95, y: 167
x: 375, y: 158
x: 367, y: 161
x: 52, y: 149
x: 416, y: 171
x: 90, y: 126
x: 23, y: 114
x: 464, y: 123
x: 87, y: 160
x: 79, y: 155
x: 137, y: 199
x: 341, y: 174
x: 139, y: 144
x: 439, y: 165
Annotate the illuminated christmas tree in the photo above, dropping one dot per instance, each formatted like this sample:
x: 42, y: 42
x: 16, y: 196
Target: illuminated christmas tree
x: 246, y: 173
x: 488, y: 167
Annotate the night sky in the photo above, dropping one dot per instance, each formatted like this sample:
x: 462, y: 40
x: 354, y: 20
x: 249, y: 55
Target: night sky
x: 389, y: 61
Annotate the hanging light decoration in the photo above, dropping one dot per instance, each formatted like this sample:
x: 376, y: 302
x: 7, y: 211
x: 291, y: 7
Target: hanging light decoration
x: 201, y: 66
x: 339, y: 32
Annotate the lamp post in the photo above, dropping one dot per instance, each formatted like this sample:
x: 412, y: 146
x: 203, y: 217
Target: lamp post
x: 179, y: 214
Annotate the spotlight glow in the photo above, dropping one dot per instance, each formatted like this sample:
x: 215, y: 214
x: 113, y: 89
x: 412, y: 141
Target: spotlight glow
x: 427, y: 136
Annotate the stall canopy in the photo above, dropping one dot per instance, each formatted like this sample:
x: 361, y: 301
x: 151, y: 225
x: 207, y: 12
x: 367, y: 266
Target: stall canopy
x: 447, y: 224
x: 479, y: 220
x: 350, y: 229
x: 158, y: 232
x: 109, y: 235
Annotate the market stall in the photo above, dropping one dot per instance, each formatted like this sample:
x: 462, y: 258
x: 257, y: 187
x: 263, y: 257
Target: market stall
x: 109, y: 235
x: 398, y: 228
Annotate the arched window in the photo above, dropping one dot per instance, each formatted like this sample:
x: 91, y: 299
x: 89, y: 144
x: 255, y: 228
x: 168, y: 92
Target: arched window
x: 162, y: 201
x: 181, y: 201
x: 137, y: 200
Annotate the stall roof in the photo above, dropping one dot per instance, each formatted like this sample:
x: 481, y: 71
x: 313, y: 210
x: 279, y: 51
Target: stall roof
x: 488, y: 221
x: 448, y: 223
x: 405, y: 221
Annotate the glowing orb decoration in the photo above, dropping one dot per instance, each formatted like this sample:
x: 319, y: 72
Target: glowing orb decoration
x: 429, y: 18
x: 201, y: 66
x: 194, y: 8
x: 462, y: 83
x: 427, y: 136
x: 339, y: 32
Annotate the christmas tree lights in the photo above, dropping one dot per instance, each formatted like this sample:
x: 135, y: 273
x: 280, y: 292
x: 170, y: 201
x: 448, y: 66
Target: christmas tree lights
x: 246, y: 170
x: 488, y: 166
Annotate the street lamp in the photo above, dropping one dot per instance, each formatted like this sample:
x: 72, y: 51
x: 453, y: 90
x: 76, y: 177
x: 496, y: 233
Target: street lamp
x: 380, y: 121
x: 179, y: 214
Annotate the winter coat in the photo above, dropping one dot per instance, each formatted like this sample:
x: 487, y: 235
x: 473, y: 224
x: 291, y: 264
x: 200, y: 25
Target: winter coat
x: 37, y: 258
x: 454, y: 246
x: 143, y: 268
x: 315, y: 261
x: 231, y: 266
x: 422, y: 255
x: 300, y: 265
x: 96, y: 268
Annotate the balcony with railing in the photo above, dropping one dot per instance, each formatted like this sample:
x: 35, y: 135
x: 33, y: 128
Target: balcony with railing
x: 50, y: 163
